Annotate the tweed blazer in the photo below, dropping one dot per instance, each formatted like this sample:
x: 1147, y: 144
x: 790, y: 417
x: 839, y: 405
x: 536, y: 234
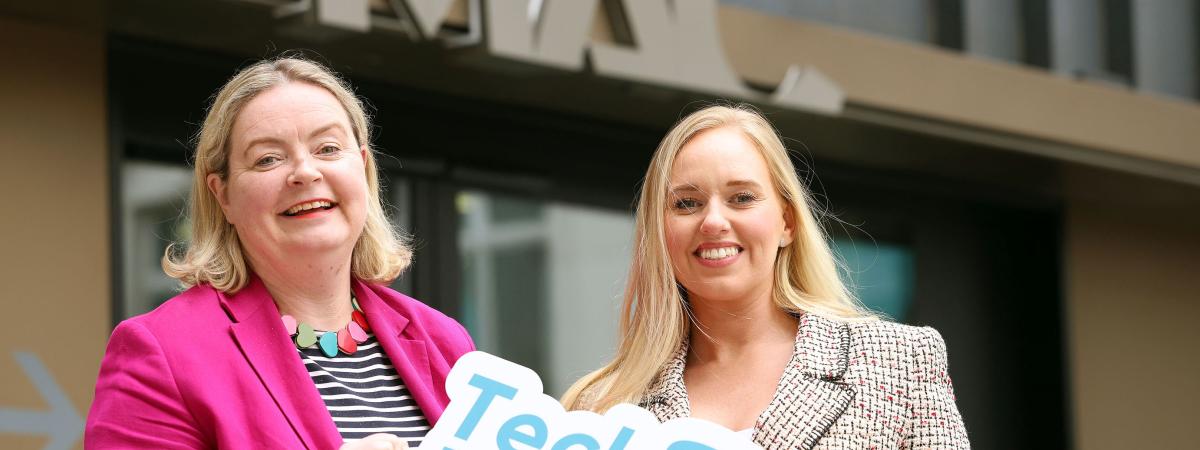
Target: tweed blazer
x: 875, y: 384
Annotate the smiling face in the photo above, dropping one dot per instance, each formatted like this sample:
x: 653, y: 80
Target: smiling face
x: 296, y: 181
x: 725, y: 220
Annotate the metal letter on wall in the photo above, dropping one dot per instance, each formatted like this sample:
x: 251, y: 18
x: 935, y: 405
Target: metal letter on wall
x: 679, y: 49
x: 807, y: 88
x: 429, y: 14
x: 555, y: 34
x: 349, y: 14
x: 678, y: 44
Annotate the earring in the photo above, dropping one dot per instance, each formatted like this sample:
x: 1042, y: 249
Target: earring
x: 782, y: 244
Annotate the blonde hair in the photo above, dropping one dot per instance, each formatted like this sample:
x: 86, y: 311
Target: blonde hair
x: 214, y: 254
x: 654, y: 317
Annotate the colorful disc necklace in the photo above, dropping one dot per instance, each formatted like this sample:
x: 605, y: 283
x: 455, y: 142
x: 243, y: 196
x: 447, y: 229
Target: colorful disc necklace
x: 345, y: 340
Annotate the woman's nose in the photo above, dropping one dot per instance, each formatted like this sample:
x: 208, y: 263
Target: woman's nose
x: 303, y: 172
x: 715, y: 222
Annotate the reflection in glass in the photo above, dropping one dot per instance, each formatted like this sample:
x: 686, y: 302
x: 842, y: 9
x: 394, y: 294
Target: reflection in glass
x: 153, y: 196
x: 398, y: 206
x: 879, y: 273
x: 542, y: 281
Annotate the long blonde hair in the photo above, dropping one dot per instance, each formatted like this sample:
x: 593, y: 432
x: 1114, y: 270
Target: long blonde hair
x: 654, y: 319
x: 214, y: 254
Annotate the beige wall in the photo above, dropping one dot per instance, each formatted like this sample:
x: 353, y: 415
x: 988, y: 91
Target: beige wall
x: 1132, y: 266
x: 54, y: 277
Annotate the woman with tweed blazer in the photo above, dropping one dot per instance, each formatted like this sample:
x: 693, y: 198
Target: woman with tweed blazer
x: 734, y: 311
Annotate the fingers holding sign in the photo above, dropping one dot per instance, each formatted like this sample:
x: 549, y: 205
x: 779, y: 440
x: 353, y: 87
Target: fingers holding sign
x: 377, y: 441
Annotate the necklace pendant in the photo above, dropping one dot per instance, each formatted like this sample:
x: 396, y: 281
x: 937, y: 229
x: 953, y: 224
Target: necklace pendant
x: 360, y: 319
x: 305, y: 337
x: 328, y: 344
x: 289, y: 324
x: 356, y: 332
x: 346, y: 342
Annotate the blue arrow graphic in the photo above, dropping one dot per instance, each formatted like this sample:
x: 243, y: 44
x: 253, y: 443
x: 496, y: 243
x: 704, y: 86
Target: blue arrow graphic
x: 61, y: 423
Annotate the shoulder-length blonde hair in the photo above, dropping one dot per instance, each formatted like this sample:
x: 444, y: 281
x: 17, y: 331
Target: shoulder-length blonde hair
x: 654, y: 318
x: 214, y: 254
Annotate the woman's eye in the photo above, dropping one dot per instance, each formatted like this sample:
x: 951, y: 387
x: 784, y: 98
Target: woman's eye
x: 686, y: 204
x: 329, y: 149
x: 743, y: 198
x: 266, y: 161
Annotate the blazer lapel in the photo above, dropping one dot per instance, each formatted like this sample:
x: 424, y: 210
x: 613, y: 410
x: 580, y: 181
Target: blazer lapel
x: 809, y: 398
x: 811, y: 394
x: 667, y: 397
x: 409, y: 356
x: 269, y: 350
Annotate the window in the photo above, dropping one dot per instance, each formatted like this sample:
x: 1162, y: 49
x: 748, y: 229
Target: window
x: 879, y: 273
x: 153, y: 198
x: 1165, y: 47
x: 1092, y: 40
x: 909, y: 20
x: 993, y: 29
x: 542, y: 281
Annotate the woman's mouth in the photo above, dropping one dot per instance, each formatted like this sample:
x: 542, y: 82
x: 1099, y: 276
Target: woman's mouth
x: 718, y: 253
x: 718, y: 256
x: 309, y: 208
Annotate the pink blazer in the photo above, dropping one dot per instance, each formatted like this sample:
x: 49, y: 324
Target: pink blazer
x: 210, y: 370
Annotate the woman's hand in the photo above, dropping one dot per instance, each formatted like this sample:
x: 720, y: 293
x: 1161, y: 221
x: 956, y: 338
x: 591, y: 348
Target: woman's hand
x: 377, y: 441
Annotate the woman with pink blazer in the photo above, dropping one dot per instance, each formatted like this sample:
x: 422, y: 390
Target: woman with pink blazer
x: 287, y: 336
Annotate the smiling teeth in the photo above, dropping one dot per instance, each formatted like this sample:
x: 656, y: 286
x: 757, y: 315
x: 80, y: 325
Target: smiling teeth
x: 307, y: 206
x: 718, y: 253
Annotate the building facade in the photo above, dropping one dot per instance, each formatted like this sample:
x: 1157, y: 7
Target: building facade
x: 1022, y: 175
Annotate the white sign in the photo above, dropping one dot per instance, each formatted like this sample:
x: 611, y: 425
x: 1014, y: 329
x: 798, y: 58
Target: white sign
x: 678, y: 42
x: 497, y: 404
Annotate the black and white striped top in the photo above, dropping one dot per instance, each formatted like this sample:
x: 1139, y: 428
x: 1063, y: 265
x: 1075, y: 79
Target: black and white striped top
x: 364, y: 393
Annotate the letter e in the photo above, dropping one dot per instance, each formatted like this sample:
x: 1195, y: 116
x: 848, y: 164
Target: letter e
x: 572, y: 440
x: 508, y: 432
